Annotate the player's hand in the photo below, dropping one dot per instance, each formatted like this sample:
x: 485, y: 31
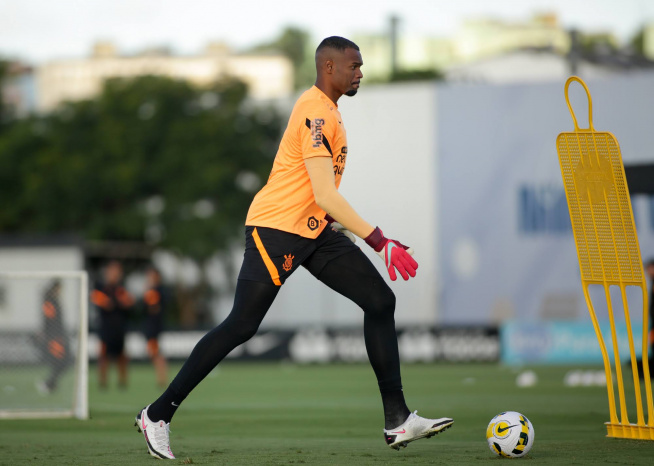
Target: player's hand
x: 338, y: 227
x: 394, y: 254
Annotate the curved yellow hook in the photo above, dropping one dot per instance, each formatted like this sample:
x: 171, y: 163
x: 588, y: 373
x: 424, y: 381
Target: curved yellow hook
x: 590, y: 104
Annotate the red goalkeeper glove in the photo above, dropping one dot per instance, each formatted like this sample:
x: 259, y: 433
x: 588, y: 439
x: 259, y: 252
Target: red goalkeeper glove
x: 394, y: 254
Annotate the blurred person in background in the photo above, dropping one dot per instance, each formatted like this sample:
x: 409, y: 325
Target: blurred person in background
x: 114, y: 304
x: 288, y: 225
x: 56, y: 349
x: 649, y: 270
x: 154, y: 306
x: 649, y: 273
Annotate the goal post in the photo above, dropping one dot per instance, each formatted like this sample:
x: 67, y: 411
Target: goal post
x: 44, y: 344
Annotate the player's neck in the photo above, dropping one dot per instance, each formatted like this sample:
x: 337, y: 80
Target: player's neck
x: 328, y: 90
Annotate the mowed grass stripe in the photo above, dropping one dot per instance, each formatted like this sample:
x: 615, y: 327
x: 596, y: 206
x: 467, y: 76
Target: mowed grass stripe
x: 274, y: 414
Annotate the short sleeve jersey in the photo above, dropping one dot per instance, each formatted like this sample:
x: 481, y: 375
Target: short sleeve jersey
x: 286, y: 202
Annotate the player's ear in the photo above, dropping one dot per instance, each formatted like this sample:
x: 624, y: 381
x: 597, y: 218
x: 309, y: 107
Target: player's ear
x: 329, y: 66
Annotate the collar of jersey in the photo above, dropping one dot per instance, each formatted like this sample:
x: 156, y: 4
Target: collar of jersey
x: 324, y: 96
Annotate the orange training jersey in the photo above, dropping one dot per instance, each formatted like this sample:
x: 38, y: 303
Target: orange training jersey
x: 286, y: 202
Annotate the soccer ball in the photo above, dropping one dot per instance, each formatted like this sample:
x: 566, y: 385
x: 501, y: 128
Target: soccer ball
x: 510, y: 434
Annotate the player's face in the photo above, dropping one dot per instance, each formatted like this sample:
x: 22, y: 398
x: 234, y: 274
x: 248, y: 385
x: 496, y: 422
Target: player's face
x: 152, y: 277
x: 114, y: 273
x: 348, y: 73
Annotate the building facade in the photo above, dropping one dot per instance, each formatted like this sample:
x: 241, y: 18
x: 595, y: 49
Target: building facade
x: 476, y: 39
x: 268, y: 76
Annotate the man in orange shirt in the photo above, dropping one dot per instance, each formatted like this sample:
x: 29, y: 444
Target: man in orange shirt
x: 114, y: 304
x: 287, y: 226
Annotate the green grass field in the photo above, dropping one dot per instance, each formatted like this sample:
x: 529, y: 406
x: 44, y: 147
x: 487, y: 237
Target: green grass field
x: 280, y: 414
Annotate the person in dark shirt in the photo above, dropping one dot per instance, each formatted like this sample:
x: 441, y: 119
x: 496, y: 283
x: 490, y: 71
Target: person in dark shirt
x: 649, y: 274
x: 154, y: 305
x: 114, y: 304
x: 56, y: 349
x: 649, y: 271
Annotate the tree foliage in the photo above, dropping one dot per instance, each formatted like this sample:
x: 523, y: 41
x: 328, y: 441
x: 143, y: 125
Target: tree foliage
x: 294, y: 43
x: 3, y: 75
x: 416, y: 75
x: 150, y: 159
x: 637, y: 42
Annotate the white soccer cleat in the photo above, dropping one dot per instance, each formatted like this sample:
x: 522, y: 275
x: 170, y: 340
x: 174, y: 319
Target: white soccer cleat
x: 157, y: 435
x: 414, y: 428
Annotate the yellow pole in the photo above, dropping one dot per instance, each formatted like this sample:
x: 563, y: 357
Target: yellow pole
x: 605, y: 356
x: 624, y: 419
x: 634, y: 365
x: 645, y: 358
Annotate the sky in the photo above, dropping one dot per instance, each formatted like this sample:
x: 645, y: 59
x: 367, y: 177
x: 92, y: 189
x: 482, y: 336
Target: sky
x: 37, y: 31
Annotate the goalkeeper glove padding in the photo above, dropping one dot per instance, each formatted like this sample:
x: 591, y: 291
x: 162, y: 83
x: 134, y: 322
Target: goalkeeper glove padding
x: 394, y: 254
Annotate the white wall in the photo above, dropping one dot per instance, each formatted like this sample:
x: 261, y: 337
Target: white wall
x: 41, y: 258
x: 494, y: 142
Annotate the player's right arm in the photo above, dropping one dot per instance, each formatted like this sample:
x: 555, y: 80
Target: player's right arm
x: 101, y: 300
x: 394, y: 254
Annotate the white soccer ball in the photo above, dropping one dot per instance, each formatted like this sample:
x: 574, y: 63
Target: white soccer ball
x: 510, y: 434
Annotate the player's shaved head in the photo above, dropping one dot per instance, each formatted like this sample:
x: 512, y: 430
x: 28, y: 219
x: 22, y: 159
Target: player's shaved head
x: 330, y: 45
x: 338, y: 67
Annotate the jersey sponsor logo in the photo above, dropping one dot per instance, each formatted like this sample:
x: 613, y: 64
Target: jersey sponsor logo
x: 288, y: 263
x: 316, y: 134
x: 339, y: 166
x: 316, y: 131
x: 313, y: 223
x: 341, y: 158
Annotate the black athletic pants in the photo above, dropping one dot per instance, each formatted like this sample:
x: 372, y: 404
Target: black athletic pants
x: 352, y: 275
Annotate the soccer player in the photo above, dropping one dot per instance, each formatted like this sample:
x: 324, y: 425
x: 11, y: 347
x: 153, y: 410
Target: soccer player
x: 114, y: 304
x: 649, y: 272
x: 56, y: 348
x: 287, y: 227
x: 154, y: 305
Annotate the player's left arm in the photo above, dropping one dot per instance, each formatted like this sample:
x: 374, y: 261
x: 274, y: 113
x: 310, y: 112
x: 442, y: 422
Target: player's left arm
x: 394, y: 254
x: 323, y: 183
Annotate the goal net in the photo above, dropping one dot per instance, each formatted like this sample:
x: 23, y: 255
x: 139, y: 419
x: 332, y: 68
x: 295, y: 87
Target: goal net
x: 43, y: 344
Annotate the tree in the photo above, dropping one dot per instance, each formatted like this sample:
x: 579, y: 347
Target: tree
x: 637, y: 43
x: 151, y: 159
x: 416, y: 75
x: 293, y: 42
x: 3, y: 75
x: 598, y: 44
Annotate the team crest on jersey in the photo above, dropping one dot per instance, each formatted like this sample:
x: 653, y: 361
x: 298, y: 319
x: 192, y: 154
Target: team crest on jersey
x: 288, y: 263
